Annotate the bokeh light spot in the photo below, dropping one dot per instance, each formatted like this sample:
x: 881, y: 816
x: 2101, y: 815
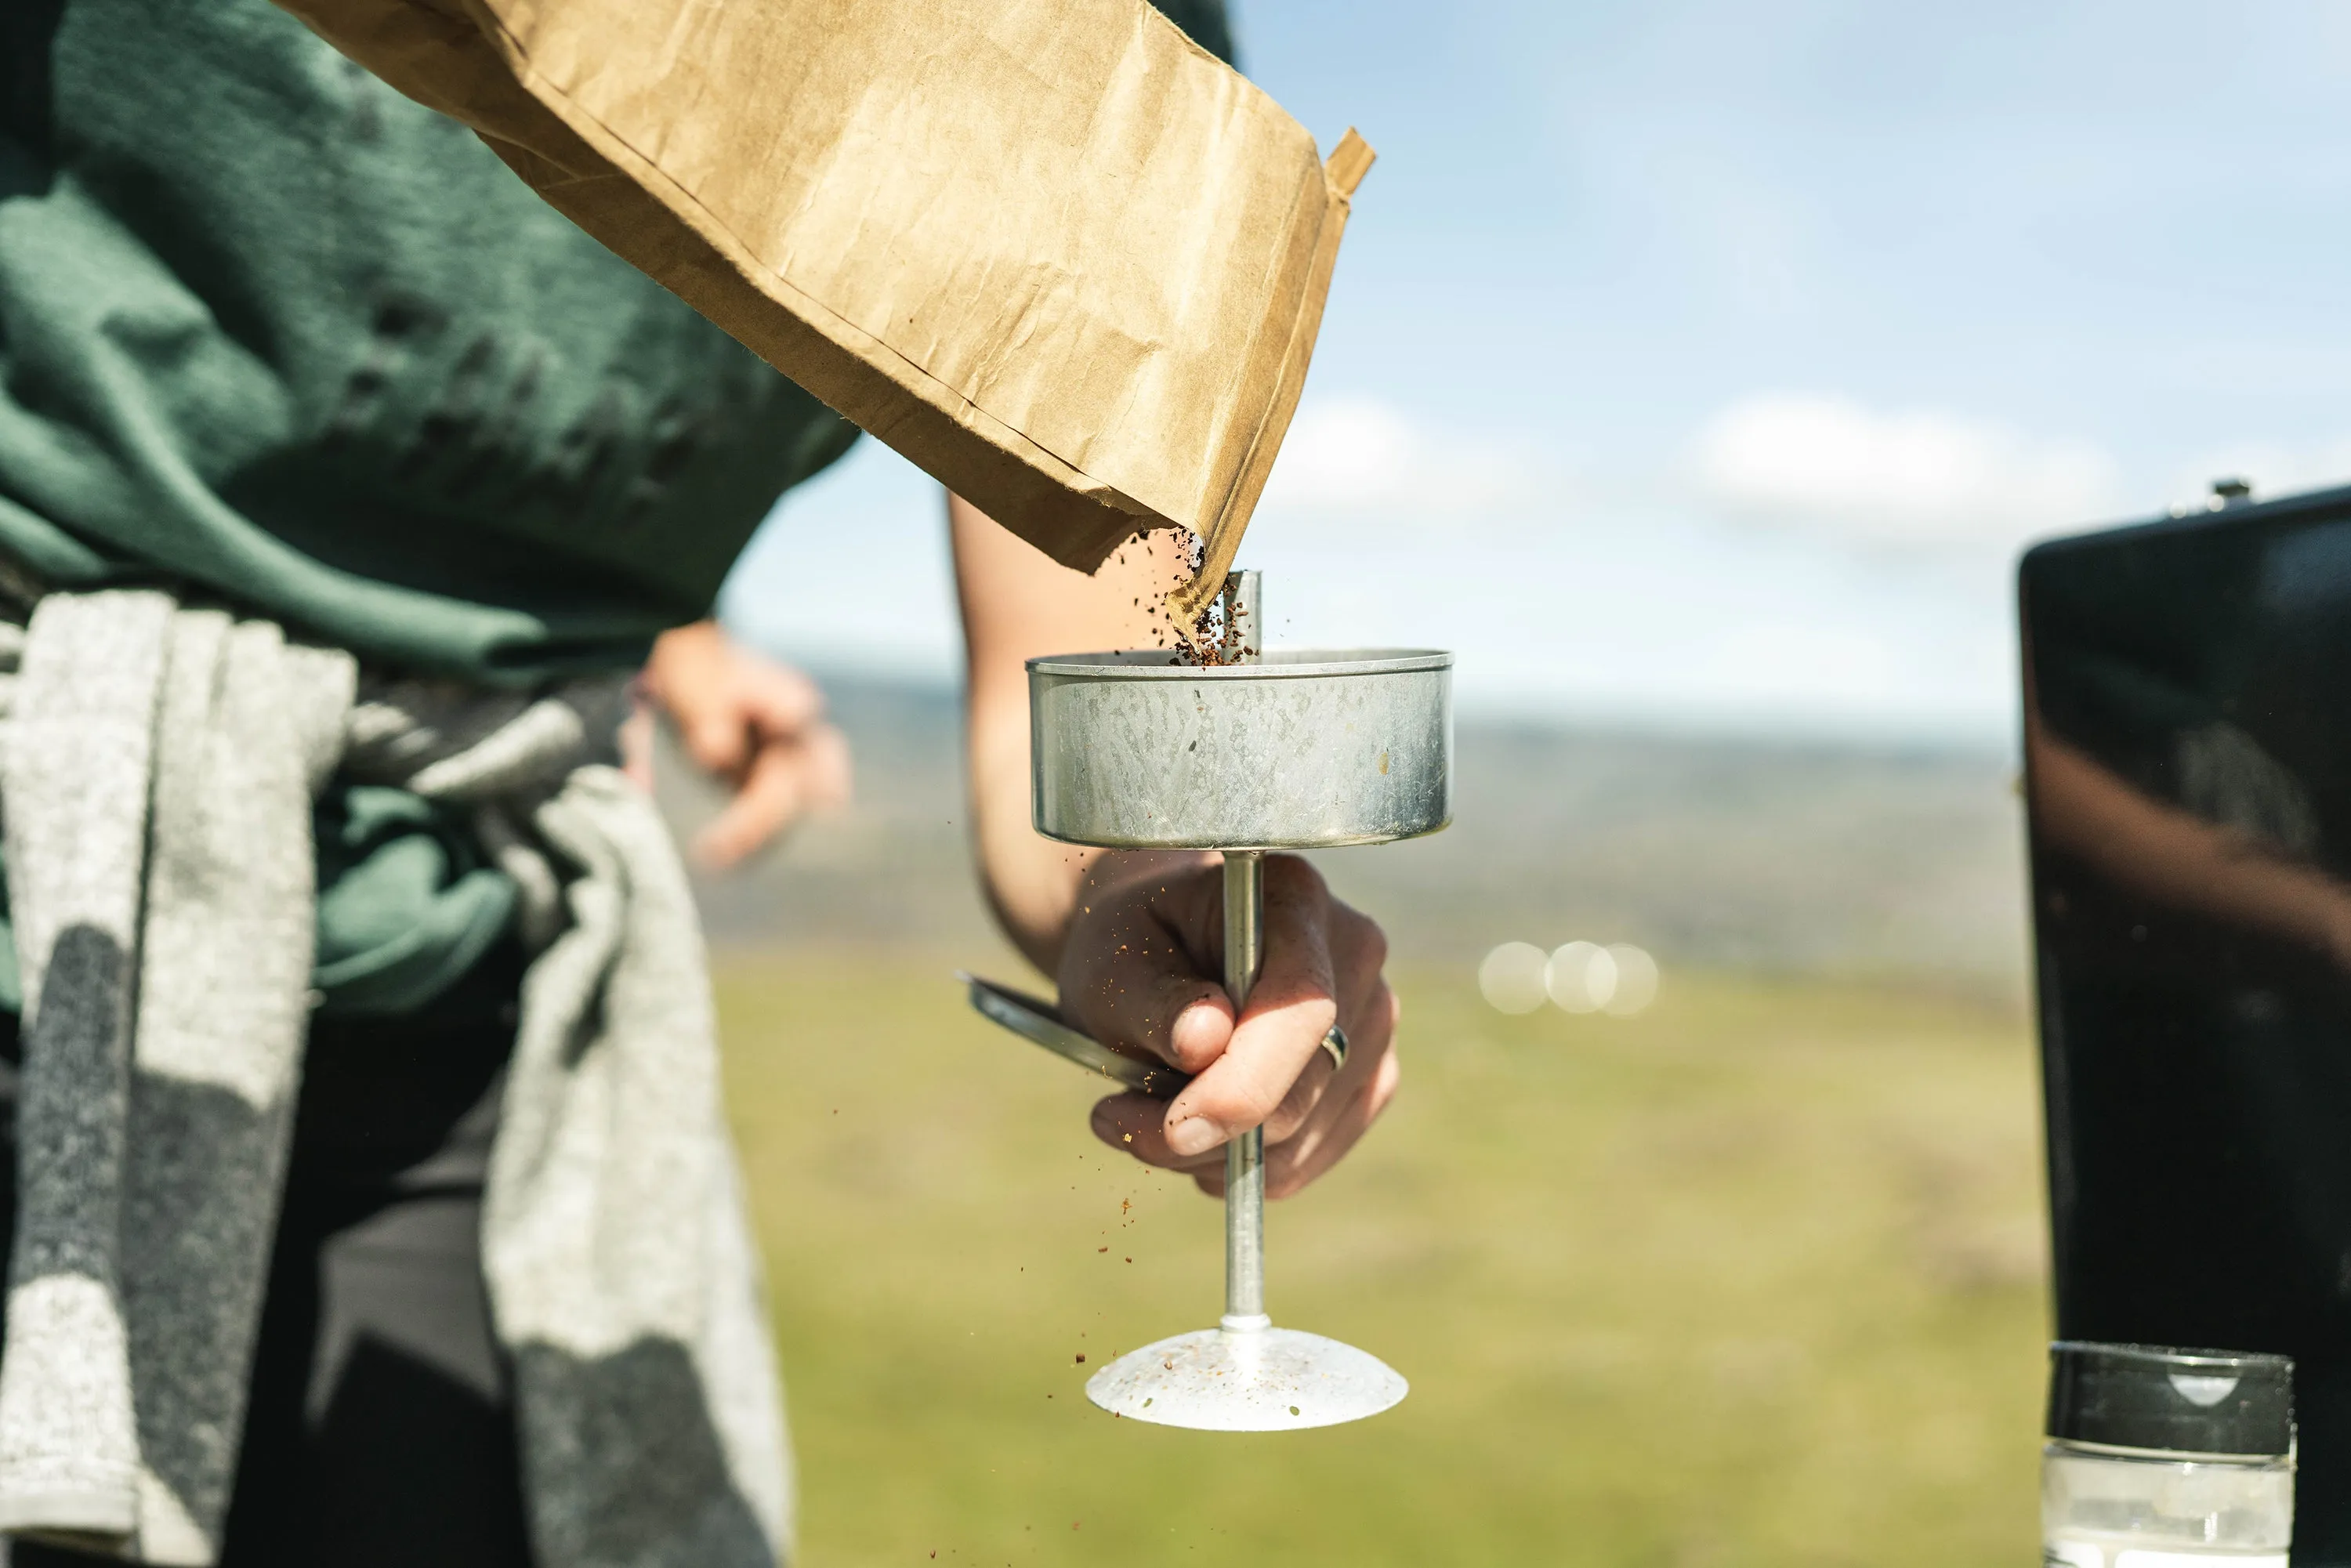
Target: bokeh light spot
x: 1581, y: 977
x: 1635, y: 980
x: 1511, y: 978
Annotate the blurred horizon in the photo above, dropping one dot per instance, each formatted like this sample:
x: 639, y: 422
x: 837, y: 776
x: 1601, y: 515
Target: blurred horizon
x: 1701, y: 367
x: 1898, y: 866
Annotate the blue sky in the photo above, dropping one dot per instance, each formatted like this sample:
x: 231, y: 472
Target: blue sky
x: 1703, y: 363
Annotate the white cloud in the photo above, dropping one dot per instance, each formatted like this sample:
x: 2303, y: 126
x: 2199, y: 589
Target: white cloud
x: 1901, y: 478
x: 1366, y: 458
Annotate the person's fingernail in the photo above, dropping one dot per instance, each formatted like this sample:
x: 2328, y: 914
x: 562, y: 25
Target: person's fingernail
x: 1194, y: 1135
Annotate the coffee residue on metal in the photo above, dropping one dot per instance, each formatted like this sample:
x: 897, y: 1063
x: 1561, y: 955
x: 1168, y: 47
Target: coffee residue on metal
x: 1213, y: 637
x: 1213, y: 640
x: 1204, y: 642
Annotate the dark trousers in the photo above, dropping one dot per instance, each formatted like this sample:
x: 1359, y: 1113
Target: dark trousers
x: 381, y: 1429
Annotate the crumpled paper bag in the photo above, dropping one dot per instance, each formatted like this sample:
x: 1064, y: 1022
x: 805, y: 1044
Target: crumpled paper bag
x: 1058, y: 256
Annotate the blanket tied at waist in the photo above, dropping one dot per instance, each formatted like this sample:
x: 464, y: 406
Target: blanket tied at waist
x: 157, y: 768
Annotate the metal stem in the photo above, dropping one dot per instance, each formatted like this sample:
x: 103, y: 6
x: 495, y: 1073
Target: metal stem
x: 1243, y: 603
x: 1245, y: 1155
x: 1243, y: 607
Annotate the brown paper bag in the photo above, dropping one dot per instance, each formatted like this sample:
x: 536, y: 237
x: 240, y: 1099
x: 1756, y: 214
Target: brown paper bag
x: 1057, y: 254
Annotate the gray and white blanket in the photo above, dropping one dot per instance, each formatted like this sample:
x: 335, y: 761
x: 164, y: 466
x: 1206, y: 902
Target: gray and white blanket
x: 157, y: 768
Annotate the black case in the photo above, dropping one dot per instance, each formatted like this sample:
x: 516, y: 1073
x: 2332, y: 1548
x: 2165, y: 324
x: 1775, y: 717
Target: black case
x: 2187, y: 774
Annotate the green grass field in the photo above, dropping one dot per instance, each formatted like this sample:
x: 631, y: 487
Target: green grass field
x: 1755, y: 1279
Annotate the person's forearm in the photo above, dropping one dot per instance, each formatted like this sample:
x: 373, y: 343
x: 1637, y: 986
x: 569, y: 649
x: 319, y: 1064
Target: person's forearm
x: 1016, y: 606
x: 2162, y: 852
x: 1030, y: 880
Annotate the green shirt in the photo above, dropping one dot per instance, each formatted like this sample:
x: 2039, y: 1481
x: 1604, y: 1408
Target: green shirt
x: 269, y: 329
x: 272, y: 331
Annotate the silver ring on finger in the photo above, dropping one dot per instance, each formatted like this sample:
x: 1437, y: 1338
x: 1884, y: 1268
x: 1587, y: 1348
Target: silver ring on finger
x: 1334, y: 1040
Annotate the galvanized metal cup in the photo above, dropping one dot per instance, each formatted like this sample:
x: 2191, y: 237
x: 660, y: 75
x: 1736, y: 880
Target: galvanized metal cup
x: 1306, y: 750
x: 1279, y: 751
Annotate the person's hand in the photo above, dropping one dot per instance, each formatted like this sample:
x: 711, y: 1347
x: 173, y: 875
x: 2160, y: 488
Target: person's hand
x: 1140, y: 970
x: 758, y: 725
